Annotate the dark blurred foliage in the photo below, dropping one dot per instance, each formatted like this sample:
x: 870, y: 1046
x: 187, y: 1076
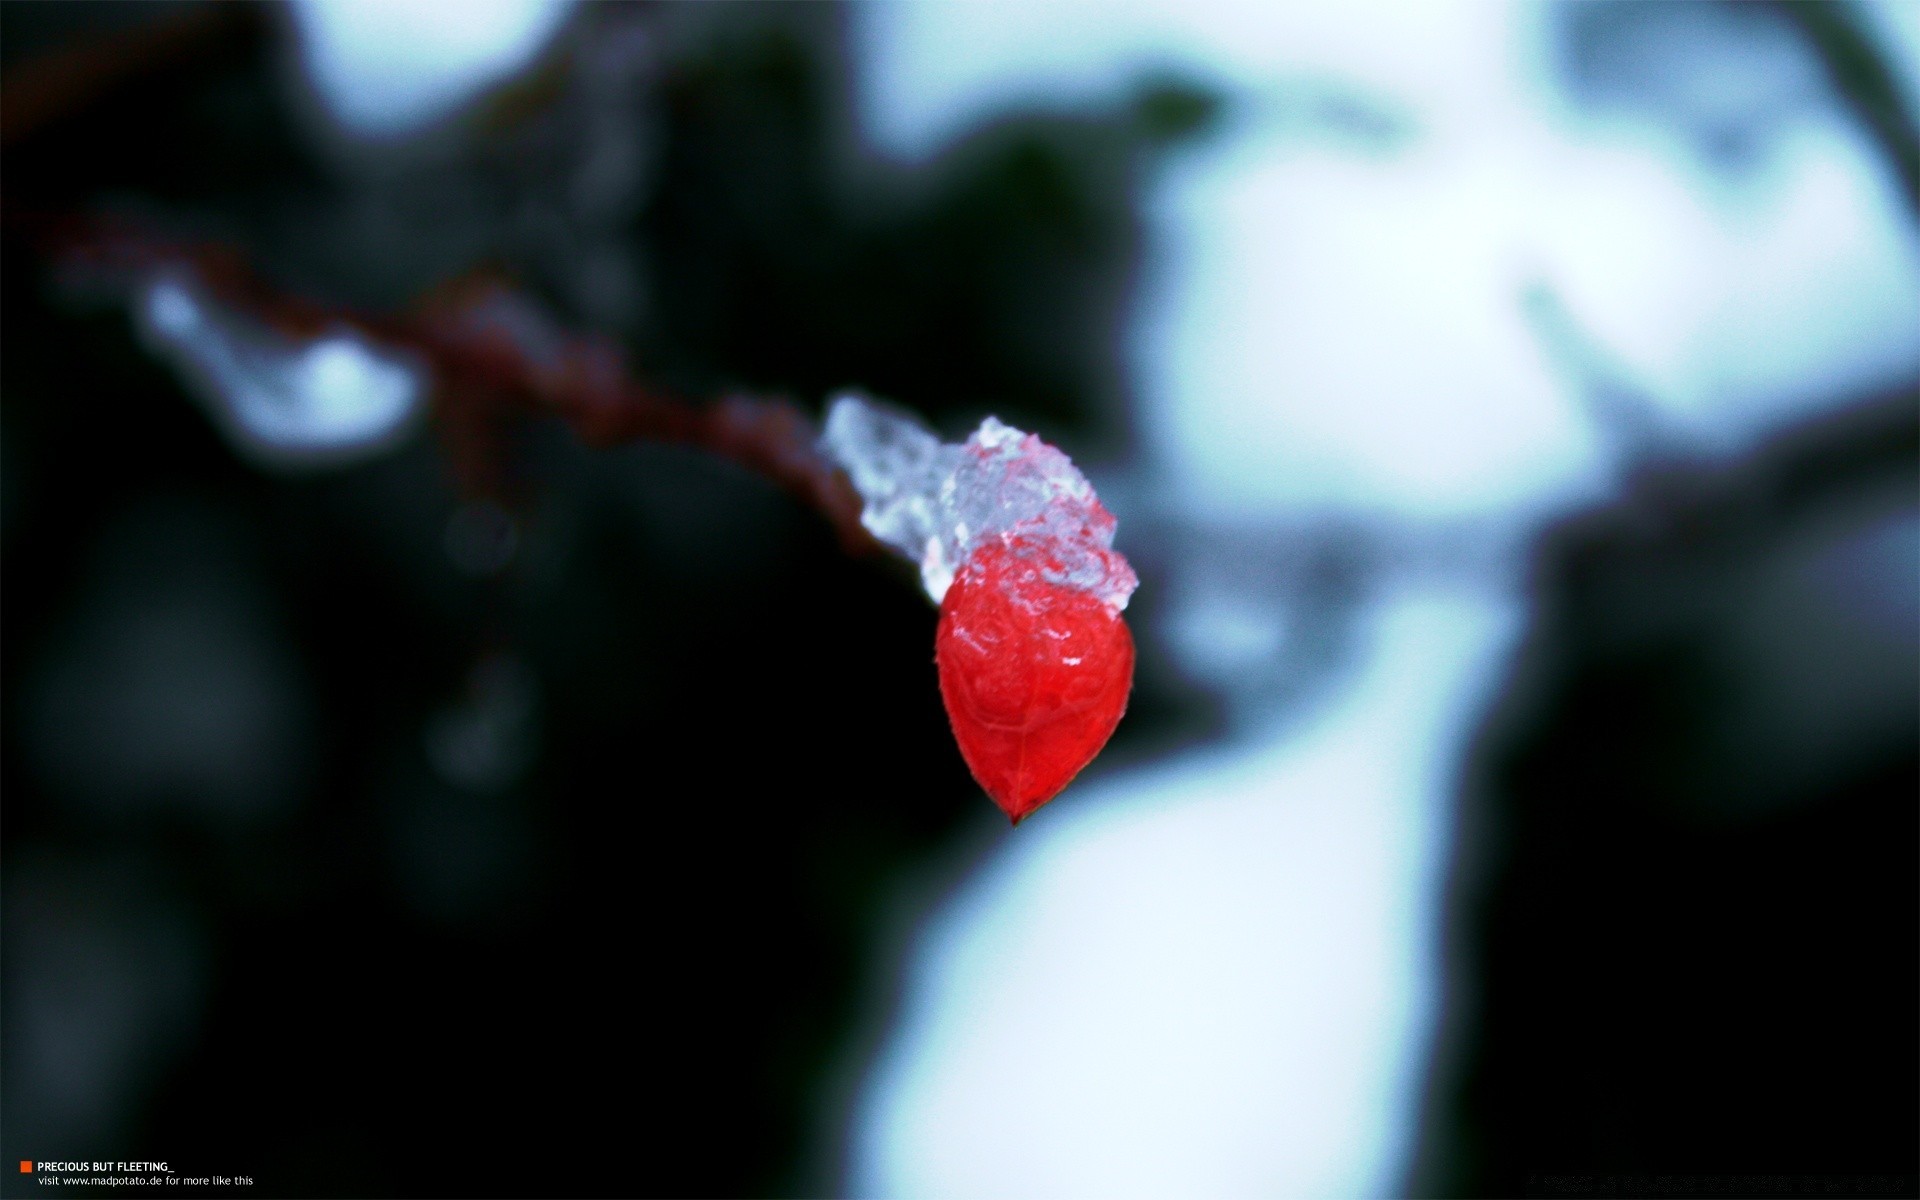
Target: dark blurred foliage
x: 367, y: 839
x: 1684, y: 932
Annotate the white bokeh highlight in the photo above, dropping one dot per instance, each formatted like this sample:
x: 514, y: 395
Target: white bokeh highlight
x: 280, y: 401
x: 388, y: 67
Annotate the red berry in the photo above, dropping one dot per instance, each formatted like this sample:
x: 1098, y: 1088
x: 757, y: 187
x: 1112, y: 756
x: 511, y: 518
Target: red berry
x: 1035, y: 674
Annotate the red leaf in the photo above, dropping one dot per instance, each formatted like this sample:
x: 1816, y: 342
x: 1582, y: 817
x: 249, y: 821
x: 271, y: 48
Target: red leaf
x: 1035, y: 674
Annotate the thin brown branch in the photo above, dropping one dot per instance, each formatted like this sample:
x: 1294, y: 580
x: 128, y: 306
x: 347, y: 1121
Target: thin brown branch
x: 493, y: 357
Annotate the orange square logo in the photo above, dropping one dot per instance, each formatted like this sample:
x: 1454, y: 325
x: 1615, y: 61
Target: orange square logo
x: 26, y: 1168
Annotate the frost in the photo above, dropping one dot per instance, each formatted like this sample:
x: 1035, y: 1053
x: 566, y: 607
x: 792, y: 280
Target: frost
x: 936, y: 502
x: 900, y: 468
x: 282, y: 401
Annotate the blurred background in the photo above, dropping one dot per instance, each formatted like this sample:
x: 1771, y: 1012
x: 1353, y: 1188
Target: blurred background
x: 1510, y: 409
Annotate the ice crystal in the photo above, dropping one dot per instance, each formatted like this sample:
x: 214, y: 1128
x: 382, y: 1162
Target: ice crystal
x: 937, y: 503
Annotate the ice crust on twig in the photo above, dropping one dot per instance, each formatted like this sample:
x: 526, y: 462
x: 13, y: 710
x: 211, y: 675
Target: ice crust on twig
x: 327, y: 400
x: 937, y: 502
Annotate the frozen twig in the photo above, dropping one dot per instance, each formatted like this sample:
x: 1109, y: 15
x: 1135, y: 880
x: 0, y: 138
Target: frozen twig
x: 489, y: 355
